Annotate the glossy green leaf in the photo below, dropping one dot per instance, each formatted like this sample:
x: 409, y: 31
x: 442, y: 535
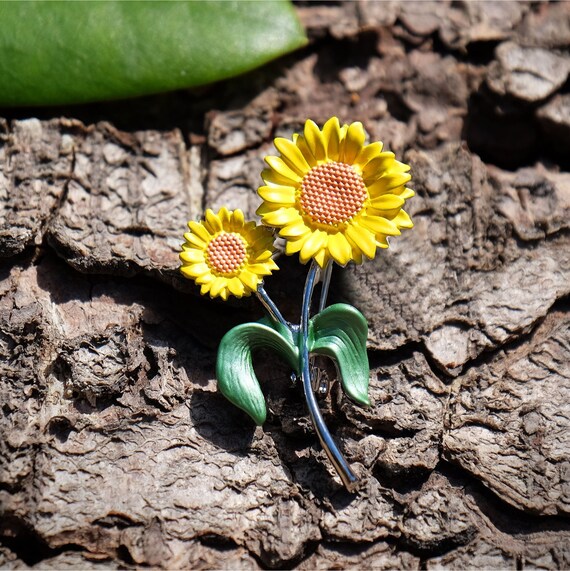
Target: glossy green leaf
x: 71, y: 52
x: 340, y: 331
x: 234, y: 366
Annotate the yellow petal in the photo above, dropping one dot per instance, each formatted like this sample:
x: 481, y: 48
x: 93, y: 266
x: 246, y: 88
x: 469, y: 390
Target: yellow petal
x: 192, y: 255
x: 213, y: 223
x: 340, y: 248
x: 407, y: 193
x: 259, y: 269
x: 224, y: 216
x: 302, y: 145
x: 261, y: 256
x: 195, y: 270
x: 312, y: 245
x: 380, y: 225
x: 368, y: 153
x: 331, y: 133
x: 236, y: 287
x: 382, y: 241
x: 354, y: 141
x: 250, y: 279
x: 267, y: 207
x: 281, y: 217
x: 217, y: 286
x: 284, y: 195
x: 270, y: 177
x: 291, y: 154
x: 396, y: 179
x: 205, y: 279
x: 294, y: 230
x: 293, y: 246
x: 403, y: 220
x: 315, y: 140
x: 277, y: 164
x: 363, y: 238
x: 237, y: 221
x: 387, y: 202
x: 206, y: 288
x: 194, y: 240
x: 224, y: 293
x: 378, y: 166
x: 322, y: 257
x: 199, y: 230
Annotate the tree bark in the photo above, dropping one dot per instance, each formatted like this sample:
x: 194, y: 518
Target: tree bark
x: 116, y: 448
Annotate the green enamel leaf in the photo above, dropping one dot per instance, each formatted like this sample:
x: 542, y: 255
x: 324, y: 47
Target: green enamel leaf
x: 234, y: 366
x: 56, y: 52
x: 340, y: 331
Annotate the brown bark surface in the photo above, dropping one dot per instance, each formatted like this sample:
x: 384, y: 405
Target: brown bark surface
x: 116, y: 450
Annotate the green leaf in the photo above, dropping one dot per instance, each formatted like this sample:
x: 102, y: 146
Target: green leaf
x: 234, y: 367
x: 340, y: 331
x: 71, y: 52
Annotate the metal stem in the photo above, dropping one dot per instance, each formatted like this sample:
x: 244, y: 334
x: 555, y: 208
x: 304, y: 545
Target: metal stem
x: 270, y: 306
x: 347, y: 476
x: 326, y: 279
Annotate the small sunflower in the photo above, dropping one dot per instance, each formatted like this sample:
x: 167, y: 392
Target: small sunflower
x: 332, y: 196
x: 226, y: 255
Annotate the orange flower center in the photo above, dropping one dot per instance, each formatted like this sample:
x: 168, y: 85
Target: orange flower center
x: 332, y: 193
x: 226, y: 253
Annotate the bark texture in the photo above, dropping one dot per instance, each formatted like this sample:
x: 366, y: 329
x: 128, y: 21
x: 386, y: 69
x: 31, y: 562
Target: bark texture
x: 117, y: 451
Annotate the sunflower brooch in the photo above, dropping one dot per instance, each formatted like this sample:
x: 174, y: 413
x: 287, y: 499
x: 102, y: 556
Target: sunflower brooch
x: 334, y: 199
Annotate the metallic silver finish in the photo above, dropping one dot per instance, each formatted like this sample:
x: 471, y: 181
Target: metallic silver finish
x: 270, y: 306
x: 326, y: 280
x: 347, y: 476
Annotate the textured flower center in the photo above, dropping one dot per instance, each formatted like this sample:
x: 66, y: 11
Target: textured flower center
x: 332, y: 193
x: 226, y: 253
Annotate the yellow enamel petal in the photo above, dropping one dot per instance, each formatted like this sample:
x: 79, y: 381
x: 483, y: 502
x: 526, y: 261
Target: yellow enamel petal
x: 355, y: 137
x: 224, y: 215
x: 281, y: 217
x: 403, y: 220
x: 407, y: 193
x: 377, y: 166
x: 291, y: 154
x: 270, y: 177
x: 331, y: 134
x: 312, y: 245
x: 194, y: 240
x: 294, y: 230
x: 396, y: 179
x: 294, y: 245
x: 213, y: 223
x: 250, y: 279
x: 217, y: 286
x: 340, y: 248
x: 224, y: 293
x: 206, y: 288
x: 315, y: 140
x: 205, y: 279
x: 237, y: 221
x: 192, y: 255
x: 368, y: 153
x: 277, y: 164
x: 322, y: 257
x: 199, y: 230
x: 259, y: 269
x: 284, y: 195
x: 380, y: 225
x: 267, y: 207
x: 262, y: 256
x: 302, y: 145
x: 195, y: 270
x: 236, y: 287
x: 382, y: 241
x: 363, y: 238
x: 387, y: 202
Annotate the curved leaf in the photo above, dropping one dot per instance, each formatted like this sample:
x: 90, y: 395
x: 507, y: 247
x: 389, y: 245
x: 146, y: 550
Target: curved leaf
x: 340, y: 331
x: 234, y: 366
x: 72, y: 52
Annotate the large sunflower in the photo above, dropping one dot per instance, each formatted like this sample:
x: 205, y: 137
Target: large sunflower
x: 332, y: 196
x: 226, y: 255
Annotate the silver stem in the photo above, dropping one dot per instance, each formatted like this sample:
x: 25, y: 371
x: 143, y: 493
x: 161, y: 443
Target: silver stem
x: 326, y: 283
x: 270, y: 306
x: 347, y: 476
